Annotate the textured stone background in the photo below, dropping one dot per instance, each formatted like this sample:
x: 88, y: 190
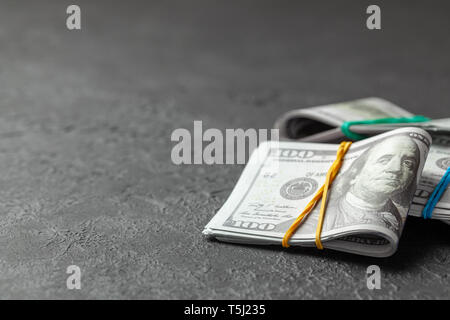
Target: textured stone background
x: 85, y: 125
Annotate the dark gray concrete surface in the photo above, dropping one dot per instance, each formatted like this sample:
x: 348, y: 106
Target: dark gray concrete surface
x: 85, y: 124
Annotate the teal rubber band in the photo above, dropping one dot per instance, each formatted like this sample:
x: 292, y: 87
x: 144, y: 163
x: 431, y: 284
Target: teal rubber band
x: 356, y: 136
x: 436, y: 195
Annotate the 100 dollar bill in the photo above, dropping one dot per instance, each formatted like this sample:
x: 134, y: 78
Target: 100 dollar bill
x: 322, y: 124
x: 368, y: 202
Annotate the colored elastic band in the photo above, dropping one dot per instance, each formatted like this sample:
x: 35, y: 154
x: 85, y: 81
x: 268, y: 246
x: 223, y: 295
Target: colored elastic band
x: 436, y: 195
x: 322, y: 193
x: 356, y: 136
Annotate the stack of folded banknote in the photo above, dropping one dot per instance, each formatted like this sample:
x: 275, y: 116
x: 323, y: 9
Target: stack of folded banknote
x: 385, y: 177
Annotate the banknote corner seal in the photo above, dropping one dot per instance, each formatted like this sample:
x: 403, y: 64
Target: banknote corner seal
x: 443, y: 163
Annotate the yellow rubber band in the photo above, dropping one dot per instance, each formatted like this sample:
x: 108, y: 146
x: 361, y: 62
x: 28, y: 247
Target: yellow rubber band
x: 321, y: 193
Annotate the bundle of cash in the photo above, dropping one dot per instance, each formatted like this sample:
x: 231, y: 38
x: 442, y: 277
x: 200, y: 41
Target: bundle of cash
x: 367, y: 203
x: 323, y: 124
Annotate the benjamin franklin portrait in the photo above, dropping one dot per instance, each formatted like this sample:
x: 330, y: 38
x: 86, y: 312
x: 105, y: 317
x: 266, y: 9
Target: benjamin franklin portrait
x: 377, y: 187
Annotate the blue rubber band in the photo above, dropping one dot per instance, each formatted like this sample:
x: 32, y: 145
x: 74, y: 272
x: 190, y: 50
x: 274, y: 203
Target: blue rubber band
x: 436, y: 195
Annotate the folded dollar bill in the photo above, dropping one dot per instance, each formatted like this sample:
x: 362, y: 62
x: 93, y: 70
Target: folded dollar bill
x: 367, y: 205
x: 323, y: 124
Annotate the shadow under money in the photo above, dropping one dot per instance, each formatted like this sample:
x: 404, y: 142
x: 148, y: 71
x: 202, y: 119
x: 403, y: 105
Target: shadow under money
x: 421, y: 241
